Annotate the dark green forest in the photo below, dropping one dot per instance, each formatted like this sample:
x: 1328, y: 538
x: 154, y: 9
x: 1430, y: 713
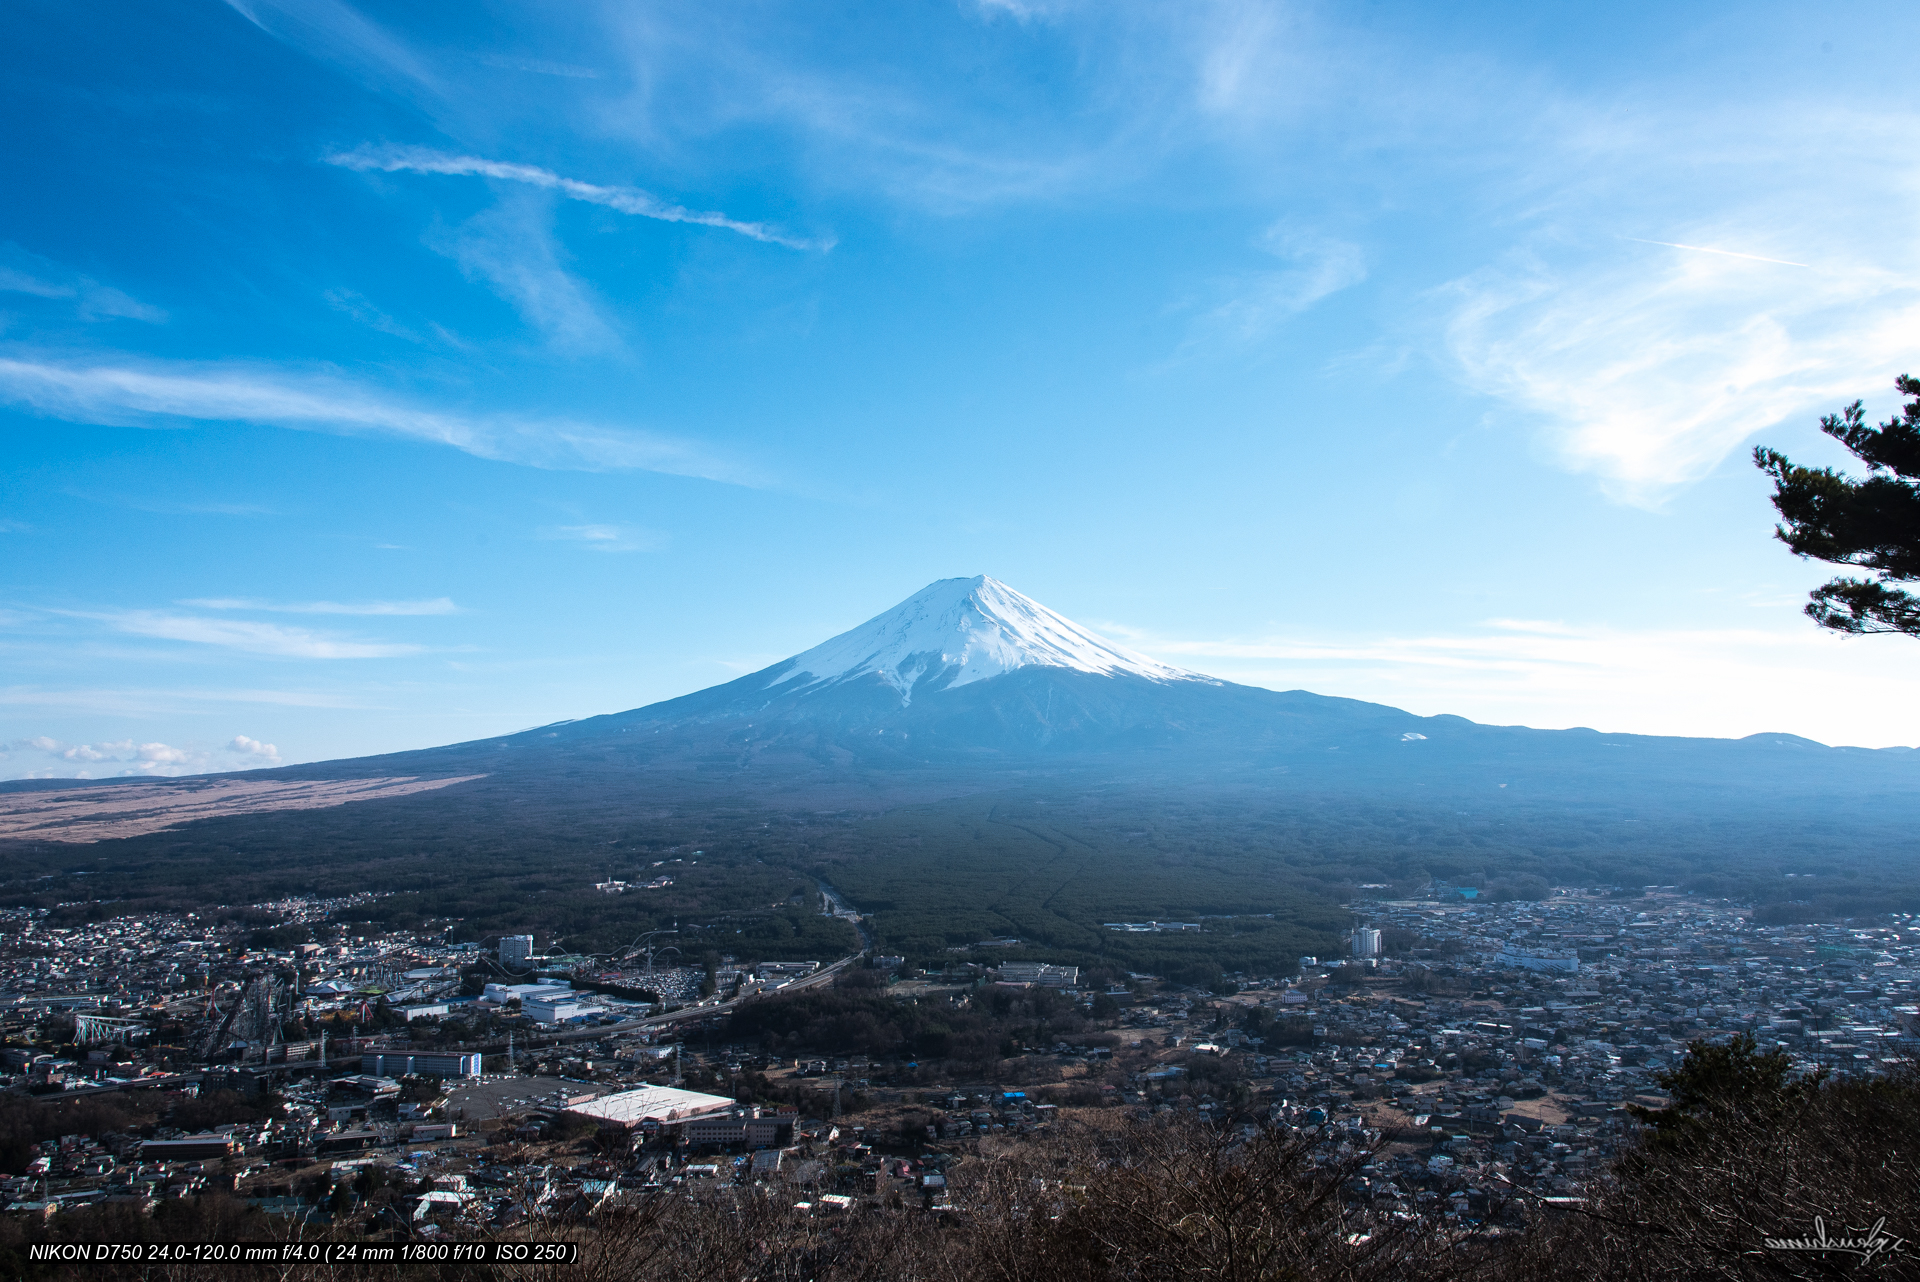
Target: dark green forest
x: 1264, y: 864
x: 994, y: 1024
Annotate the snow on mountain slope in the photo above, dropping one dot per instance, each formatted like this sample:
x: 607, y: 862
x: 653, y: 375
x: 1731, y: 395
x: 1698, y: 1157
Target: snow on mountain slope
x: 958, y: 631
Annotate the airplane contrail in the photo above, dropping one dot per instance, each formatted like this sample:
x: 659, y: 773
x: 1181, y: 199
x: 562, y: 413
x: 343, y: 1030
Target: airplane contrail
x: 1705, y: 249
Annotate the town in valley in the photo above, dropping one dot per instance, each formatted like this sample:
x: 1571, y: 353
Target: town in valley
x: 1469, y: 1055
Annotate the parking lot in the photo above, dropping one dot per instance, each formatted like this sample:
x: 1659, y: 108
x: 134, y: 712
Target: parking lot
x: 480, y: 1099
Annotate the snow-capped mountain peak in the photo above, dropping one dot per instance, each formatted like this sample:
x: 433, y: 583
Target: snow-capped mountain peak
x: 958, y: 631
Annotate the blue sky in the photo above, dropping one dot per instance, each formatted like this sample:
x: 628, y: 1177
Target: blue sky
x: 380, y: 376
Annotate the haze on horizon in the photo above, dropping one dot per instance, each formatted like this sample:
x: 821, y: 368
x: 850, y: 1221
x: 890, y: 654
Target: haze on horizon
x: 375, y: 378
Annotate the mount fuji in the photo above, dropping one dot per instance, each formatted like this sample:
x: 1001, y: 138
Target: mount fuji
x: 958, y: 631
x: 964, y: 671
x: 968, y: 684
x: 972, y: 748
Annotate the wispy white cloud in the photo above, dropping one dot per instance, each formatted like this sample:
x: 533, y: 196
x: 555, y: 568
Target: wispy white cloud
x: 140, y: 393
x: 952, y: 146
x: 539, y: 67
x: 1651, y: 371
x: 173, y: 507
x: 338, y: 32
x: 1782, y: 278
x: 1024, y: 10
x: 247, y: 636
x: 23, y: 272
x: 1255, y: 64
x: 362, y: 309
x: 1258, y: 303
x: 606, y: 538
x: 864, y: 126
x: 626, y: 200
x: 437, y: 605
x: 212, y: 509
x: 512, y: 248
x: 1645, y: 367
x: 1771, y: 276
x: 146, y: 702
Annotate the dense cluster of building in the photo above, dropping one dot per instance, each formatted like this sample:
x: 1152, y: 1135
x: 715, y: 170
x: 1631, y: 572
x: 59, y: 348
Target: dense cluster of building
x: 1474, y: 1052
x: 1496, y: 1050
x: 161, y: 1009
x: 167, y: 991
x: 1621, y: 984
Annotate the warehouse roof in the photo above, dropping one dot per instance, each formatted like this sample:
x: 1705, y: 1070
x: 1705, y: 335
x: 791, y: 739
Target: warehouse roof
x: 655, y: 1103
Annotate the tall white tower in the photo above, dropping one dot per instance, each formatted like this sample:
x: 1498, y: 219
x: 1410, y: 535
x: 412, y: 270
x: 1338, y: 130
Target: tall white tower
x: 1366, y: 941
x: 516, y: 950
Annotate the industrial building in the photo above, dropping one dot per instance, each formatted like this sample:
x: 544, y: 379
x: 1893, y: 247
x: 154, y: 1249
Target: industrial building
x: 789, y: 969
x: 559, y: 1007
x: 1040, y: 973
x: 662, y: 1105
x: 188, y: 1148
x: 347, y: 1142
x: 754, y: 1127
x: 389, y: 1064
x: 546, y: 988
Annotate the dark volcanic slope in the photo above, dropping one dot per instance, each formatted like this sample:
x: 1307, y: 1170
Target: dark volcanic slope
x: 970, y: 688
x: 1044, y: 788
x: 857, y: 739
x: 970, y: 761
x: 856, y: 744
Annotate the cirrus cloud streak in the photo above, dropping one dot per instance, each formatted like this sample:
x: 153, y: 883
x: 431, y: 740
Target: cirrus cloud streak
x: 607, y: 538
x: 248, y: 636
x: 438, y: 605
x: 137, y: 394
x: 625, y: 200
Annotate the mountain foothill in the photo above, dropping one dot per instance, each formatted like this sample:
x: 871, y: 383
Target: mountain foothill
x: 971, y: 765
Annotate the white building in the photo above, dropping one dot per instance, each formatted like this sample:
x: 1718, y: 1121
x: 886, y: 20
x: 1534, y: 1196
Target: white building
x: 516, y: 950
x: 1366, y: 942
x: 663, y: 1105
x: 562, y: 1006
x: 504, y: 993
